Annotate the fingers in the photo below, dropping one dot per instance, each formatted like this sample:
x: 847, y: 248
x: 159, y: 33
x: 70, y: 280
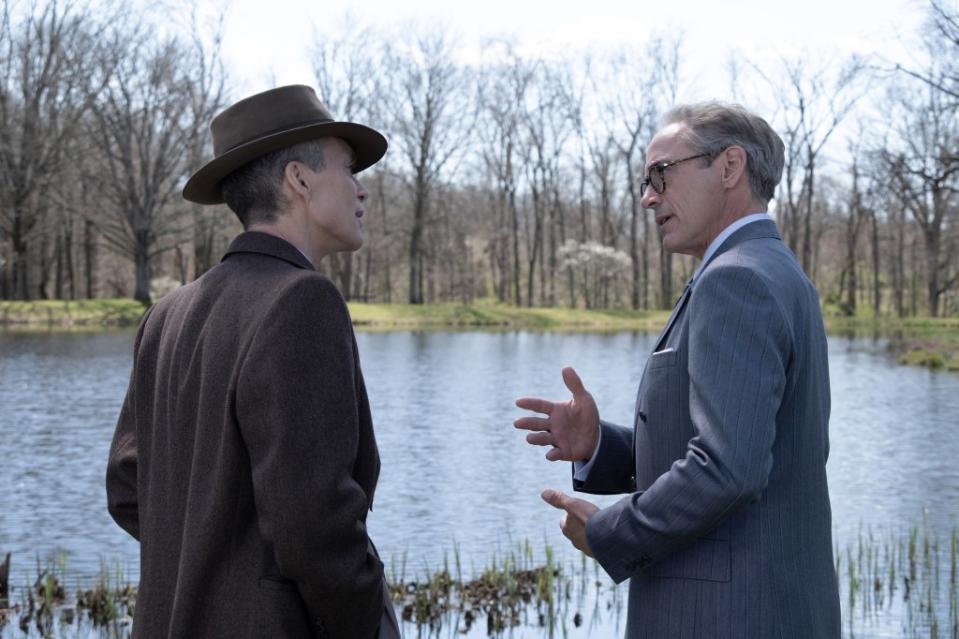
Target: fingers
x: 538, y: 439
x: 531, y: 423
x: 573, y: 382
x: 555, y: 498
x: 556, y: 454
x: 535, y: 404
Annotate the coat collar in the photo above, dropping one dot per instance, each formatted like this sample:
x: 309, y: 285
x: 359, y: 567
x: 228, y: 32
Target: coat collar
x: 266, y: 244
x: 753, y: 231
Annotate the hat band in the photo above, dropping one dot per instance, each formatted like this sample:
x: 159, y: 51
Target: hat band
x: 281, y: 129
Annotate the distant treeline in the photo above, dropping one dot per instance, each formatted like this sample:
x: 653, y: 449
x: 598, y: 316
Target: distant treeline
x: 513, y: 178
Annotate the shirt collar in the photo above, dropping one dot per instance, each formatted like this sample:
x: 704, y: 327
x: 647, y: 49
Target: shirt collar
x: 729, y: 230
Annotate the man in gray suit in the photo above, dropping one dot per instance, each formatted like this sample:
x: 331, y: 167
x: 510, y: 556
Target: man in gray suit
x: 725, y: 531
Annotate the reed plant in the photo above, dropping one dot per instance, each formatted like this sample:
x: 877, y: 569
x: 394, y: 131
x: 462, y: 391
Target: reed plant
x: 901, y: 583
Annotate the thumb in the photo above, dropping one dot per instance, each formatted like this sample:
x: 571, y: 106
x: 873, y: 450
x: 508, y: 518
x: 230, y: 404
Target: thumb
x: 573, y: 382
x: 555, y: 498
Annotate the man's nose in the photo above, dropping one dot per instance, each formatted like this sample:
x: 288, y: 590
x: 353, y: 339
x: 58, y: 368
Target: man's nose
x: 361, y: 192
x: 650, y: 198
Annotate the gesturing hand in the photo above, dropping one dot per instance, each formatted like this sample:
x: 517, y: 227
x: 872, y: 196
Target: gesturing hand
x: 573, y: 524
x: 571, y: 427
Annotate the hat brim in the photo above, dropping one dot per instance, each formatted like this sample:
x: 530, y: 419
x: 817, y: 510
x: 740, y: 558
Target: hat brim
x: 368, y: 146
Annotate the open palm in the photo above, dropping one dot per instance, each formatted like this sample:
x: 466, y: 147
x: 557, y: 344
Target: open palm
x: 570, y: 427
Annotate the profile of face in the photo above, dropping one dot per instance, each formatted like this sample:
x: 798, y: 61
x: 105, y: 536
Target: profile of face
x: 688, y: 211
x: 335, y: 200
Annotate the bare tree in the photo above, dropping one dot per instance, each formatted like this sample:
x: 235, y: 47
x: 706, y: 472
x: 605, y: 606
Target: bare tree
x: 924, y: 166
x: 145, y: 125
x: 345, y: 67
x: 506, y: 83
x: 207, y: 93
x: 547, y: 126
x: 432, y: 117
x: 636, y: 110
x: 942, y: 34
x: 47, y: 78
x: 813, y: 103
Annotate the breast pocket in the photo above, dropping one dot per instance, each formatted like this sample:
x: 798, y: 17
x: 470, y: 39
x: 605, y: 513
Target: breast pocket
x: 663, y: 358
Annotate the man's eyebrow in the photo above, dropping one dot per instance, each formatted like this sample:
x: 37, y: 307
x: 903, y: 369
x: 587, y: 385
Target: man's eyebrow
x: 650, y: 165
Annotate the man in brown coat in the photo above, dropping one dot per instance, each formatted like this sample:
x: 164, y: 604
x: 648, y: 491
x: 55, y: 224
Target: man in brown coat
x: 244, y: 459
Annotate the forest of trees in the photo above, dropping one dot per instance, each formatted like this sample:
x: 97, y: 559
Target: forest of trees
x: 513, y: 178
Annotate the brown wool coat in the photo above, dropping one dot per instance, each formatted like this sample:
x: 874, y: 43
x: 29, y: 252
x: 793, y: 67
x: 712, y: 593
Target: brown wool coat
x: 244, y: 459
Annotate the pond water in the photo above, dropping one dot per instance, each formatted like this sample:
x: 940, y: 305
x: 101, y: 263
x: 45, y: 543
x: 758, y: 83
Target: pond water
x: 455, y: 474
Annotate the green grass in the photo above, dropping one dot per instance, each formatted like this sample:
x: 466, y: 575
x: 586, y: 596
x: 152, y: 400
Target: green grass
x: 918, y: 341
x: 492, y: 314
x: 70, y: 314
x: 126, y: 312
x: 932, y: 342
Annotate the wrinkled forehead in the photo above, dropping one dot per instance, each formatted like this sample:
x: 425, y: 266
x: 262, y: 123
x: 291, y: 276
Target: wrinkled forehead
x: 667, y: 144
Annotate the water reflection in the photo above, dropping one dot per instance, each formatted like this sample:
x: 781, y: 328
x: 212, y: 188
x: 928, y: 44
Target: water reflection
x: 453, y: 467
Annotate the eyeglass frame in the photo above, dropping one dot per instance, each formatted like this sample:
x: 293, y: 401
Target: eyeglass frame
x: 661, y: 168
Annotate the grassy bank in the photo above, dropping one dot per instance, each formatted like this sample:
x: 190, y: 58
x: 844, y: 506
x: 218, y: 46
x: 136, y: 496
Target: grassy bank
x: 917, y: 341
x: 70, y: 314
x: 492, y: 315
x: 126, y: 312
x: 931, y: 342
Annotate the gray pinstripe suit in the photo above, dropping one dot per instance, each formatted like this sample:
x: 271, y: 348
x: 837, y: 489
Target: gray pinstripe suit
x: 726, y: 532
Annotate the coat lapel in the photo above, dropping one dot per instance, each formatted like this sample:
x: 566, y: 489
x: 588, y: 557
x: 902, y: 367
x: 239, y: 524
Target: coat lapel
x: 677, y: 309
x: 755, y: 230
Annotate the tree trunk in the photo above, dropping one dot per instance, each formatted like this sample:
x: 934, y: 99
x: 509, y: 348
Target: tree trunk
x: 68, y: 259
x: 58, y: 267
x: 876, y: 291
x: 89, y: 258
x: 852, y: 290
x: 534, y: 251
x: 807, y: 221
x: 4, y: 271
x: 514, y: 213
x: 21, y: 280
x: 932, y: 270
x: 44, y: 264
x: 914, y: 285
x: 665, y: 278
x: 646, y: 250
x: 416, y: 250
x: 143, y: 274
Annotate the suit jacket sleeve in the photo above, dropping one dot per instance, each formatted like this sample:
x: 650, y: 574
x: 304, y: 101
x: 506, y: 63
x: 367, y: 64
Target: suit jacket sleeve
x: 611, y: 472
x: 739, y: 351
x: 297, y: 409
x: 122, y: 463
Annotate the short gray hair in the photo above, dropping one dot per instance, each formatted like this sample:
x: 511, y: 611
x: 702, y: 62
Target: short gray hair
x: 253, y: 191
x: 713, y: 126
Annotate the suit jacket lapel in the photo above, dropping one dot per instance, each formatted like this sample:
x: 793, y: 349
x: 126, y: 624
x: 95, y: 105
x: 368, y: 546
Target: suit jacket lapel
x: 760, y: 229
x: 677, y: 309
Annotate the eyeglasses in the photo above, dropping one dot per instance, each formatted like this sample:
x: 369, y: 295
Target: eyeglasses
x: 656, y: 177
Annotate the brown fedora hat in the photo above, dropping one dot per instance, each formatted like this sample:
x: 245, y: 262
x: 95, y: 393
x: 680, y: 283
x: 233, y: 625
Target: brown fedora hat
x: 269, y: 121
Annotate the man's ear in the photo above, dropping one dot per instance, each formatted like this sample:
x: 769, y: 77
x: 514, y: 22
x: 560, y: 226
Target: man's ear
x: 293, y: 178
x: 733, y: 160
